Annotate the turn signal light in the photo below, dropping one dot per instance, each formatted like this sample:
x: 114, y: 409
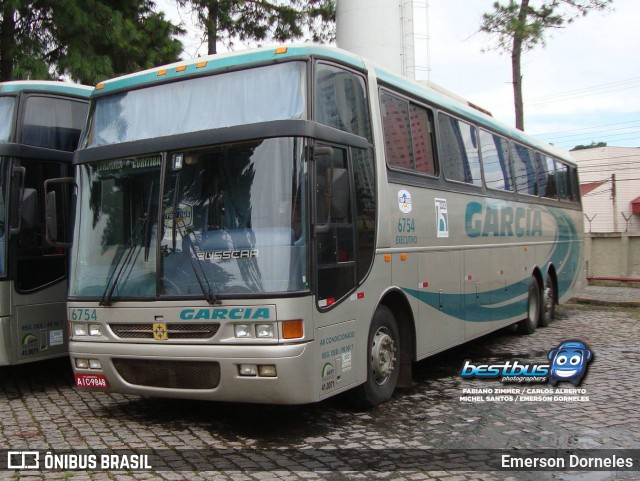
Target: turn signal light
x: 292, y: 329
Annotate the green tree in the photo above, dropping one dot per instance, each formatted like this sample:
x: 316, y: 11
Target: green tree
x: 592, y: 145
x: 86, y: 40
x: 258, y: 20
x: 519, y: 26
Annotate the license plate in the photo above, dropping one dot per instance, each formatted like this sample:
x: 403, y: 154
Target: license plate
x: 92, y: 380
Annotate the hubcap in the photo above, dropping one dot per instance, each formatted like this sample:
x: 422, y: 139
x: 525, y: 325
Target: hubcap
x: 383, y: 355
x: 548, y: 298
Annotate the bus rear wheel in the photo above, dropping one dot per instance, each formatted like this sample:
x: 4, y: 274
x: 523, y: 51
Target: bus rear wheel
x: 548, y: 302
x: 383, y: 355
x: 529, y: 325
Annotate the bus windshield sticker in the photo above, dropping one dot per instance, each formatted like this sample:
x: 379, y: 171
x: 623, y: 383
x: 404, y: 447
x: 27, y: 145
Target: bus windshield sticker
x: 404, y: 201
x: 442, y: 217
x: 184, y: 215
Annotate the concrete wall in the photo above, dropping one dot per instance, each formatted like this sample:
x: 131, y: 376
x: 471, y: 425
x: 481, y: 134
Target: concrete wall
x: 613, y: 255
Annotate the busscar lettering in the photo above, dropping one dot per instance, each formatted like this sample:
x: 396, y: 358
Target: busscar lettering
x: 227, y: 255
x: 502, y: 220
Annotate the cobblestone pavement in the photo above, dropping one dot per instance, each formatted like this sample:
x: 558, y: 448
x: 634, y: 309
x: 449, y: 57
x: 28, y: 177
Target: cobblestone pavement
x: 40, y: 409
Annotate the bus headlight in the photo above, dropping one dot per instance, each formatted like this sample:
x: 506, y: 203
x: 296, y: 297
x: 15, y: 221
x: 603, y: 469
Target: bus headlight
x: 243, y: 330
x: 79, y: 329
x: 94, y: 330
x: 265, y: 330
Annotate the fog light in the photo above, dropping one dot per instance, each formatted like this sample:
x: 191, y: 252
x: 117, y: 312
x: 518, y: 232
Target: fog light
x: 94, y: 364
x: 248, y: 370
x: 265, y: 330
x: 94, y: 330
x: 79, y: 329
x: 267, y: 370
x: 82, y: 363
x: 243, y: 330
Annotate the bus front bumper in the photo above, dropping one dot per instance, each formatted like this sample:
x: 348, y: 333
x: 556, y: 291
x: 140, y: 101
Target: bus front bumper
x: 199, y: 372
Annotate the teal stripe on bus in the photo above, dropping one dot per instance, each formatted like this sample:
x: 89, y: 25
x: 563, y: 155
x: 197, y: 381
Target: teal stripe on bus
x: 566, y: 252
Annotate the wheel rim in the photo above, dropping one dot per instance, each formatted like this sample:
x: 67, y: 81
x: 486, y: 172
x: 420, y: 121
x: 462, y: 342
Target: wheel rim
x: 548, y: 302
x: 383, y: 355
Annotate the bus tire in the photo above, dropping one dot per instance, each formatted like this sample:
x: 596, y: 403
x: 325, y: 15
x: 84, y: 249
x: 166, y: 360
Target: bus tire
x: 383, y: 355
x: 529, y: 325
x: 548, y: 302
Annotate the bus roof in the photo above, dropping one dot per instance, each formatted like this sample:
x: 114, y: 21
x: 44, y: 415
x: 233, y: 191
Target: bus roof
x: 66, y: 88
x: 220, y: 62
x: 216, y: 63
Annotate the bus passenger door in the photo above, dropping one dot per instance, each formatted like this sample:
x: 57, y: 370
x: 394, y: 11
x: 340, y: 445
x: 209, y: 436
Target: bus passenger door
x: 334, y: 261
x: 39, y: 272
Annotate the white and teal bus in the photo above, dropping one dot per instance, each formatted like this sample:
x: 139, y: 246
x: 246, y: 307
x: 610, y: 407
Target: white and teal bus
x: 282, y: 225
x: 40, y: 125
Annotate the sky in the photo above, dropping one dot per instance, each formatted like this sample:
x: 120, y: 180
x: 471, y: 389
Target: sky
x: 583, y: 86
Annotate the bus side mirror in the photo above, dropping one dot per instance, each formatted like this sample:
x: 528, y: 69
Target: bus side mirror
x: 51, y: 211
x: 15, y: 200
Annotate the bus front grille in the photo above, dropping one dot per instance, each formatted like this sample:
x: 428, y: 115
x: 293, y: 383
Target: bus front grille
x: 169, y: 374
x: 174, y: 331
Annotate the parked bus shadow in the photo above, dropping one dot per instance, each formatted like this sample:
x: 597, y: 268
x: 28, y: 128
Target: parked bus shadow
x: 25, y: 379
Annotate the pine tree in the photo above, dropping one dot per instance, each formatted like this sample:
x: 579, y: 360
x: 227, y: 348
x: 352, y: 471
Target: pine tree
x: 260, y: 20
x: 519, y: 26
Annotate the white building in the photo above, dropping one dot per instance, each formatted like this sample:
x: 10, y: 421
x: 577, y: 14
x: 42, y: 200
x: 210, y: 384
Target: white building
x: 610, y: 187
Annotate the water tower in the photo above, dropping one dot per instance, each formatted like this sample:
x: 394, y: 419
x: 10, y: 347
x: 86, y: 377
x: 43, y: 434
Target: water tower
x: 381, y: 30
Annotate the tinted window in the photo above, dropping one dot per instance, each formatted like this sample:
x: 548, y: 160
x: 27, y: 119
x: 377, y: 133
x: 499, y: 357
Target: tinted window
x: 563, y: 182
x: 495, y: 161
x: 365, y: 198
x: 408, y: 134
x: 524, y: 171
x: 459, y: 150
x: 546, y: 176
x: 6, y: 118
x: 575, y: 184
x: 397, y: 131
x: 53, y: 123
x: 341, y: 100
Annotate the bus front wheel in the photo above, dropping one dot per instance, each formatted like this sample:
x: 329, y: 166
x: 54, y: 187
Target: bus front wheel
x: 529, y: 325
x: 383, y: 355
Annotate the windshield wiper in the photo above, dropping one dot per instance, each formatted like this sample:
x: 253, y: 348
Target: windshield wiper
x: 142, y: 225
x: 200, y: 274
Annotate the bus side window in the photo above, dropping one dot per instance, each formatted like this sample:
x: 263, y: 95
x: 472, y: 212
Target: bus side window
x: 575, y: 184
x: 524, y: 169
x: 459, y: 150
x: 564, y: 185
x: 341, y: 100
x: 495, y: 161
x: 397, y: 133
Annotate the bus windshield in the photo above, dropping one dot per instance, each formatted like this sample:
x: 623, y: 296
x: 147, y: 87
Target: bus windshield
x: 274, y: 92
x: 231, y: 221
x: 7, y: 104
